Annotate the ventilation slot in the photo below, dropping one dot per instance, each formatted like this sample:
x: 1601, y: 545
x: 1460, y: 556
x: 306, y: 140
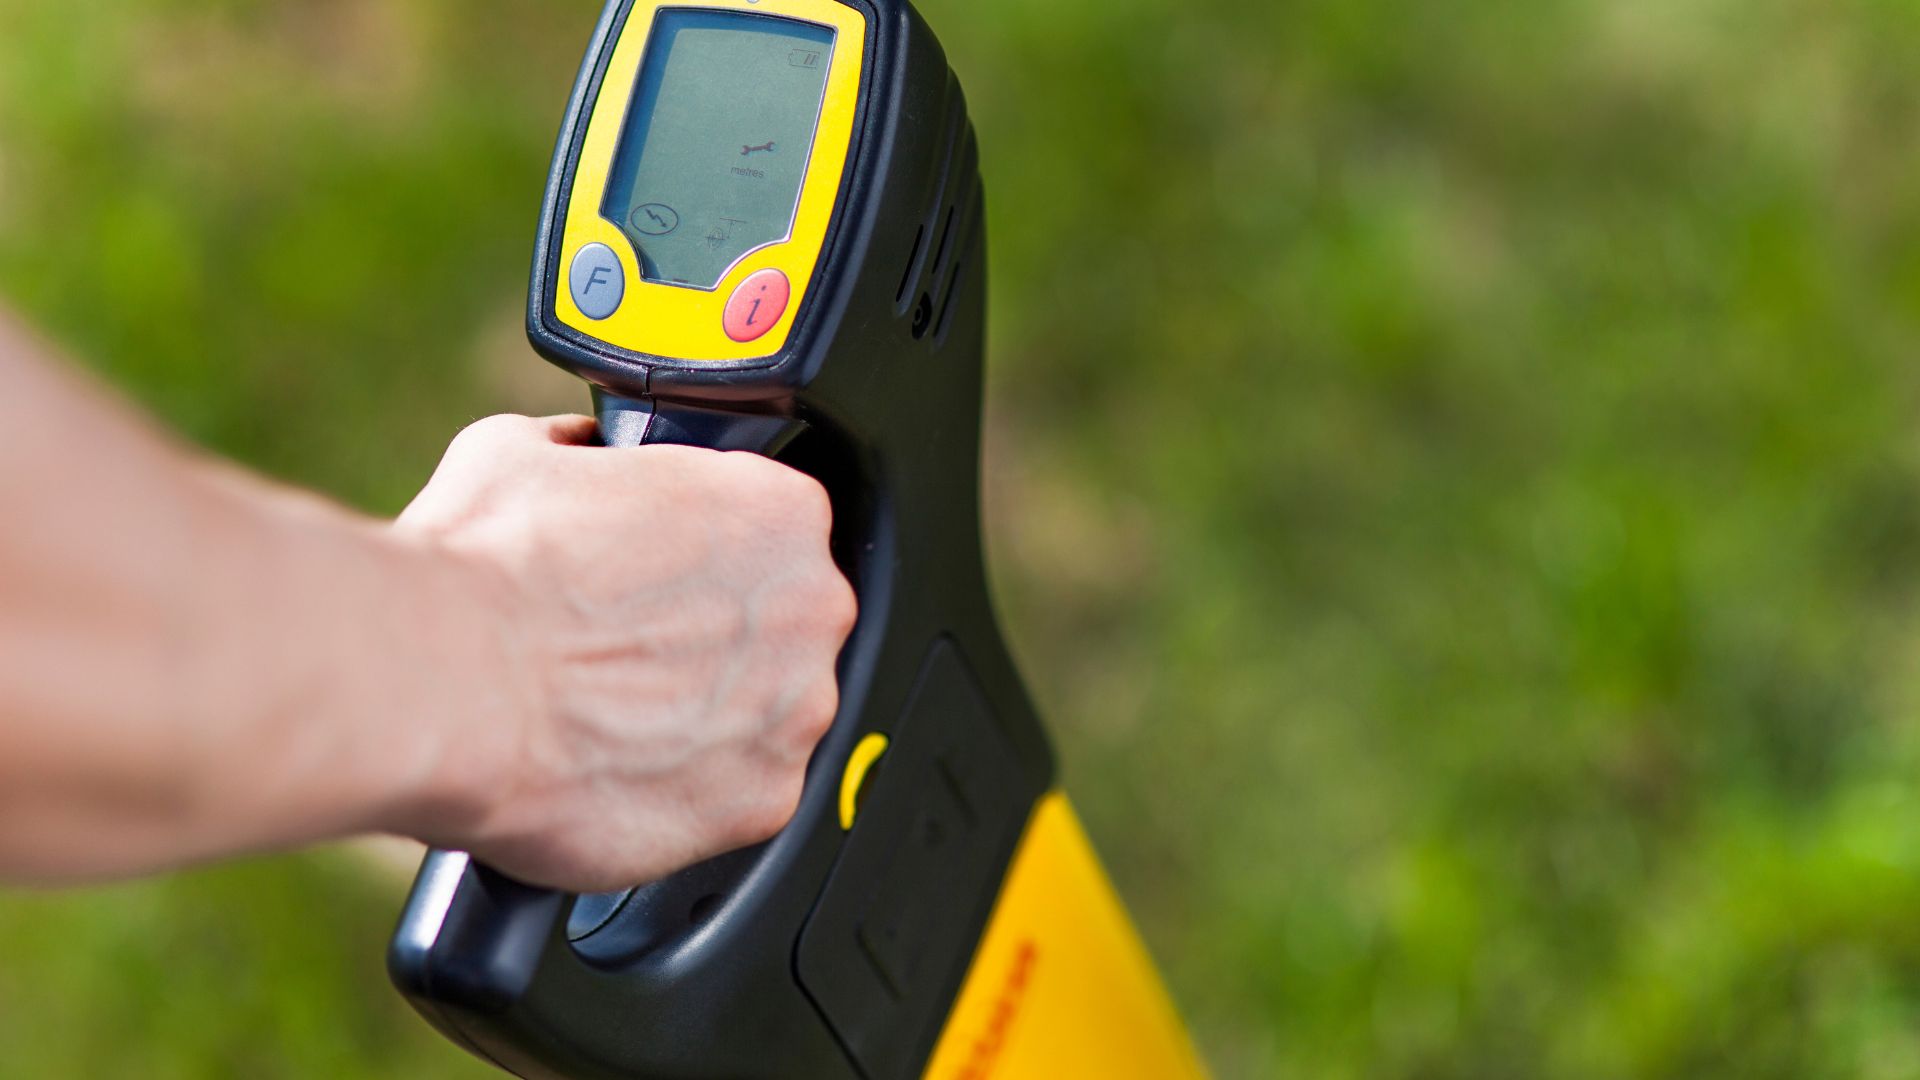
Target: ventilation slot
x: 940, y: 253
x: 907, y: 277
x: 962, y: 183
x: 914, y: 279
x: 957, y: 236
x: 969, y: 233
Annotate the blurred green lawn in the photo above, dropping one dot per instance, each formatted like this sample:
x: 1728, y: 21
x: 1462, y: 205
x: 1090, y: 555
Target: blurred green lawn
x: 1452, y: 474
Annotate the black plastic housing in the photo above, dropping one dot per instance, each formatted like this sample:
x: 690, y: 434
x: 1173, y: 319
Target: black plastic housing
x: 823, y: 953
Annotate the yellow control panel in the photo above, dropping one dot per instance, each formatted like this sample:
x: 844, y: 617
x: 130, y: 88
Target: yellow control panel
x: 684, y: 236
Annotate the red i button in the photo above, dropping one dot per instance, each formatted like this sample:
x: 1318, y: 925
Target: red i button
x: 756, y: 305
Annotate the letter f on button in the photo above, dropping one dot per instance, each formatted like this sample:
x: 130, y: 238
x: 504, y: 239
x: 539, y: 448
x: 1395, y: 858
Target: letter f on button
x: 597, y: 282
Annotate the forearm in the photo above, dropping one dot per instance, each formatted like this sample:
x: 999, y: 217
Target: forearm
x: 588, y: 666
x: 194, y: 663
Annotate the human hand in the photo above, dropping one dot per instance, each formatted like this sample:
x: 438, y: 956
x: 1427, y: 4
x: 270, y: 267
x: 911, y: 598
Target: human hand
x: 668, y: 621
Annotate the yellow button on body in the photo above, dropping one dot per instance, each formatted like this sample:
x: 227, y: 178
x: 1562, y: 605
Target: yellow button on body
x: 865, y: 755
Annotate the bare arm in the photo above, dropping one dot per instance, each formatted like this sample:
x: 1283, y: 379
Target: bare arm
x: 589, y: 666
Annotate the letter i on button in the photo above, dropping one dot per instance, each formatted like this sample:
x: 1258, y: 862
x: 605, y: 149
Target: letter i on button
x: 756, y: 305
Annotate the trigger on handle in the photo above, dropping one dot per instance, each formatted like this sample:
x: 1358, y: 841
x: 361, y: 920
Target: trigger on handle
x: 623, y: 421
x: 640, y: 422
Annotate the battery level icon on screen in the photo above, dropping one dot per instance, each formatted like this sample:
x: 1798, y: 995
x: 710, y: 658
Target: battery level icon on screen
x: 804, y: 58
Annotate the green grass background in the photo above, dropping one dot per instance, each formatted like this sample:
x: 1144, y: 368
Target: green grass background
x: 1452, y: 472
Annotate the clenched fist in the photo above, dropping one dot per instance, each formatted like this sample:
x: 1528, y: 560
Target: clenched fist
x: 667, y: 621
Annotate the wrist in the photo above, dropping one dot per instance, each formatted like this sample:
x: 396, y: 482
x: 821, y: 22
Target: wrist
x: 380, y: 693
x: 475, y: 694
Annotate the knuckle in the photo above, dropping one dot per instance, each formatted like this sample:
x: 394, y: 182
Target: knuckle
x: 827, y: 603
x: 792, y: 491
x: 770, y: 813
x: 812, y: 714
x: 810, y: 504
x: 839, y: 604
x: 750, y: 469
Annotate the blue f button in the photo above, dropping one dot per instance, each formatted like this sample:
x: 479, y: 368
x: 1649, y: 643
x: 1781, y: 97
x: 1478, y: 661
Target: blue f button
x: 597, y: 281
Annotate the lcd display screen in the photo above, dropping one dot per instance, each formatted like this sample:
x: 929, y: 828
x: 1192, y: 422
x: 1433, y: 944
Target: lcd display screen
x: 716, y: 140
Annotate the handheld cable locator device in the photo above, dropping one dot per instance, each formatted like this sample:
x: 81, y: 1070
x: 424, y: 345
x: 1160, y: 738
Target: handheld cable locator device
x: 764, y: 231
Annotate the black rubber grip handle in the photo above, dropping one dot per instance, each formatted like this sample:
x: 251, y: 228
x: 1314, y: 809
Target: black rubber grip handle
x: 505, y: 928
